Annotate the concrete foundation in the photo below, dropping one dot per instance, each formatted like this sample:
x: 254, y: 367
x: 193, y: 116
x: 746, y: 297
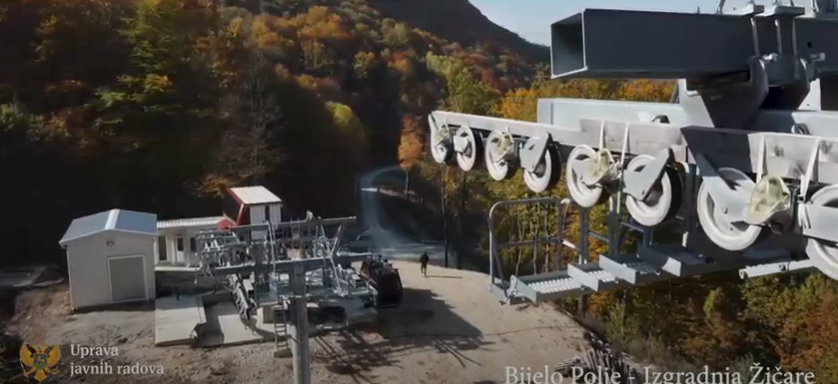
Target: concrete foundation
x: 226, y: 327
x: 212, y: 320
x: 178, y: 320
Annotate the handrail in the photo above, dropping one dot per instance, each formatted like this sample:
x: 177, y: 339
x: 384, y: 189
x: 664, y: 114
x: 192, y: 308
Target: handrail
x: 494, y: 258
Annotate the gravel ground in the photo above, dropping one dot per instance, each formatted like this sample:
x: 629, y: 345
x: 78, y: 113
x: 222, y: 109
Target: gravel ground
x: 448, y: 330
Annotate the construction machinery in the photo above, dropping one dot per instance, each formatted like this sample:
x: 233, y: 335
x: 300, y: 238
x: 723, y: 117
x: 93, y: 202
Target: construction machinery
x: 742, y: 162
x: 385, y: 278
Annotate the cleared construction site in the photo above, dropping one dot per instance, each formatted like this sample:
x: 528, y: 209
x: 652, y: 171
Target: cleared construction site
x: 247, y: 276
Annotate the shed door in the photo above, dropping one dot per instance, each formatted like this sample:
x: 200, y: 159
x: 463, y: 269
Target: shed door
x: 257, y: 216
x: 127, y: 275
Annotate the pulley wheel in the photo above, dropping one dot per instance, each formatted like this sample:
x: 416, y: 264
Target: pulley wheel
x: 732, y: 236
x: 472, y: 154
x: 440, y: 144
x: 824, y: 253
x: 585, y: 196
x: 663, y: 200
x: 500, y: 167
x: 546, y: 173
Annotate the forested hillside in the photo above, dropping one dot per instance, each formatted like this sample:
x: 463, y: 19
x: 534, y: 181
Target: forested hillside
x: 782, y: 322
x: 157, y: 105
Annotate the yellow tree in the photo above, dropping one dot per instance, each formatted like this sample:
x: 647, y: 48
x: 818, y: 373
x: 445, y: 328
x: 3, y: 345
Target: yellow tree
x: 411, y: 144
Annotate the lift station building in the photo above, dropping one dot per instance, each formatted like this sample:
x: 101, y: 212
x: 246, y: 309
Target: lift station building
x: 249, y: 206
x: 110, y: 258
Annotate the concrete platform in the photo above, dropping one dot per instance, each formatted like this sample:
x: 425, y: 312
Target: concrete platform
x: 176, y: 268
x: 175, y: 320
x: 226, y: 328
x: 356, y: 312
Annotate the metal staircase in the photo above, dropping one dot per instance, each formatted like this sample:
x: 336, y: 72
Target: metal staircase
x: 243, y: 295
x: 652, y: 262
x: 280, y: 322
x: 271, y: 244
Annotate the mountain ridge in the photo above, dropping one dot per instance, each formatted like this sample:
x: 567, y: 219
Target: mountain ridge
x: 435, y: 16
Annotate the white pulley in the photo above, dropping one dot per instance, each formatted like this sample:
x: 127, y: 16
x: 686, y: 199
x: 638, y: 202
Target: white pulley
x: 732, y: 236
x: 501, y: 159
x: 586, y: 196
x: 662, y: 202
x: 440, y: 142
x: 823, y: 253
x: 546, y: 173
x: 468, y: 146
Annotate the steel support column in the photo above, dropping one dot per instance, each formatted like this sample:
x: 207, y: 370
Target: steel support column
x: 299, y: 326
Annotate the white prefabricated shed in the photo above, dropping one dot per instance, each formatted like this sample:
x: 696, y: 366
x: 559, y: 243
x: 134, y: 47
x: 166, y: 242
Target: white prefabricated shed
x: 176, y: 243
x: 110, y: 257
x: 262, y: 205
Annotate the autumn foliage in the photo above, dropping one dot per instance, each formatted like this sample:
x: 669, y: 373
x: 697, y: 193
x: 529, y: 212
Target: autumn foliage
x: 158, y: 105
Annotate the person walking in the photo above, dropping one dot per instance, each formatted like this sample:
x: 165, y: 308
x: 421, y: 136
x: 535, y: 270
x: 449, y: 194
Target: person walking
x: 423, y: 260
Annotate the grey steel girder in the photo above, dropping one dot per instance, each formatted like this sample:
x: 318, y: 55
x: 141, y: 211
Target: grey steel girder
x: 787, y: 153
x: 605, y: 43
x: 317, y: 222
x: 787, y: 266
x: 286, y: 266
x: 569, y: 112
x: 802, y: 158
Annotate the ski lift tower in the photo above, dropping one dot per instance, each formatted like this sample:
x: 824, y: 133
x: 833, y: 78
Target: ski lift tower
x: 316, y: 272
x: 742, y: 163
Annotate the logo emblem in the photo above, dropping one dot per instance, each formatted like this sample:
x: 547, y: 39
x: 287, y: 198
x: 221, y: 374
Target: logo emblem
x: 39, y: 361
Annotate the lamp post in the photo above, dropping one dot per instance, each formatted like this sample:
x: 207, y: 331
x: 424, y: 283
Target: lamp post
x: 406, y: 182
x: 444, y: 215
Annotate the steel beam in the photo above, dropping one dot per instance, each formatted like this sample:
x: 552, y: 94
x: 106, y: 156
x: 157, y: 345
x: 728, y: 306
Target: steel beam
x: 787, y: 266
x: 813, y: 37
x: 569, y: 112
x: 605, y: 43
x: 296, y: 224
x: 787, y: 153
x: 286, y: 266
x: 299, y: 326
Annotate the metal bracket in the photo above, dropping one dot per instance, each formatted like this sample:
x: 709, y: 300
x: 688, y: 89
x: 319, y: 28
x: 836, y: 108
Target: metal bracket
x: 442, y: 132
x: 592, y: 276
x: 786, y: 266
x: 769, y: 200
x: 532, y: 151
x: 461, y: 139
x: 440, y: 139
x: 504, y: 146
x: 639, y: 184
x: 822, y: 222
x: 601, y: 169
x: 731, y: 203
x: 748, y: 10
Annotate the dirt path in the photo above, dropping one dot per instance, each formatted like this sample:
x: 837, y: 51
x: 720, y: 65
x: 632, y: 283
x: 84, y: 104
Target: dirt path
x: 448, y: 330
x: 389, y: 241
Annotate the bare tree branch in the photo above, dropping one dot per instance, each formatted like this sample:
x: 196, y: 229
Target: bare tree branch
x: 253, y: 114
